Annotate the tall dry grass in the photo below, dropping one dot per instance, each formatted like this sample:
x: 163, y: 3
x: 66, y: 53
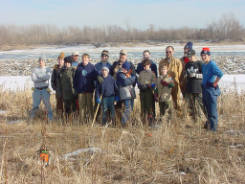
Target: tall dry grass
x: 179, y: 152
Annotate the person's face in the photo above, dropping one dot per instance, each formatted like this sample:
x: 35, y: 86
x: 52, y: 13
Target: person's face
x: 186, y: 51
x: 147, y: 67
x: 85, y: 60
x: 104, y: 58
x: 169, y: 52
x: 42, y: 63
x: 75, y: 58
x: 164, y: 70
x: 205, y: 58
x: 67, y: 65
x: 122, y: 58
x: 146, y: 55
x: 60, y: 62
x: 104, y: 73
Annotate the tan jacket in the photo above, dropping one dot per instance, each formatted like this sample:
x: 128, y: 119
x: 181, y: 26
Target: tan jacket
x: 147, y: 77
x: 164, y: 92
x: 174, y: 67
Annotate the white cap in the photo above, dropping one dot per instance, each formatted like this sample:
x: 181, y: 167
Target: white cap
x: 105, y: 68
x: 75, y: 53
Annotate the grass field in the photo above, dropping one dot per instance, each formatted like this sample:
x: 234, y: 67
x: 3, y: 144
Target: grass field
x: 179, y: 152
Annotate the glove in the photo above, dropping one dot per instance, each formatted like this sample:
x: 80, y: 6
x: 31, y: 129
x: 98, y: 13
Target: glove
x: 153, y: 86
x: 98, y: 101
x: 100, y: 79
x: 164, y: 83
x: 171, y: 85
x: 117, y: 99
x: 192, y: 75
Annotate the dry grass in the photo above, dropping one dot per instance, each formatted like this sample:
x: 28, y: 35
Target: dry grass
x: 179, y: 152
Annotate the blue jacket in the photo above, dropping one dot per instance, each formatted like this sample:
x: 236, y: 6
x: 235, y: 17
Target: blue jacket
x: 84, y: 78
x: 107, y: 88
x: 122, y: 80
x: 100, y: 65
x: 210, y: 71
x: 140, y: 67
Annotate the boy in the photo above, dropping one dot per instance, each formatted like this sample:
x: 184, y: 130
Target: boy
x: 210, y: 89
x: 194, y: 85
x: 146, y: 84
x: 84, y: 85
x: 68, y: 93
x: 125, y: 82
x: 107, y: 89
x: 41, y: 76
x: 56, y: 85
x: 165, y: 85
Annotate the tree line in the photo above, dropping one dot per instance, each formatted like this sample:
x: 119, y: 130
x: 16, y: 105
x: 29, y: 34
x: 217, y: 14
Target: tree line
x: 228, y: 28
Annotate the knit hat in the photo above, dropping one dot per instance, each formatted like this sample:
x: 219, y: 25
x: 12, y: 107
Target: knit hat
x: 105, y: 52
x: 105, y: 68
x: 206, y: 51
x: 61, y: 56
x: 188, y: 45
x: 191, y: 53
x: 123, y: 52
x: 126, y: 66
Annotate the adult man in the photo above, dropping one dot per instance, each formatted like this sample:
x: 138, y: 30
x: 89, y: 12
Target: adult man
x: 40, y: 76
x: 56, y: 84
x: 104, y: 61
x: 210, y: 89
x: 175, y: 70
x: 84, y: 85
x: 185, y: 59
x: 140, y: 66
x: 153, y: 67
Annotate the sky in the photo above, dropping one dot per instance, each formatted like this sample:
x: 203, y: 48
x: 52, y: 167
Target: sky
x: 125, y: 13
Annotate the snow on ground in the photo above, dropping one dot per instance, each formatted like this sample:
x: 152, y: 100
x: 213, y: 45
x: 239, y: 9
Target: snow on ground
x: 20, y: 83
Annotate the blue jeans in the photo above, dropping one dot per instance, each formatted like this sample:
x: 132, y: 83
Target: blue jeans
x: 127, y: 111
x: 210, y: 96
x: 38, y: 96
x: 108, y: 105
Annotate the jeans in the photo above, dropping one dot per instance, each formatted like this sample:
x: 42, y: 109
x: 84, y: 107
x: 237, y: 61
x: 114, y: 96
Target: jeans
x: 210, y: 96
x: 127, y: 111
x: 108, y: 105
x: 38, y: 96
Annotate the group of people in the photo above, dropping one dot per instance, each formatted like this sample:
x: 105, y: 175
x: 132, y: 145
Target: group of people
x: 81, y: 87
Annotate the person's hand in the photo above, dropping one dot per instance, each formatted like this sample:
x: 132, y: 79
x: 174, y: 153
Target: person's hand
x: 153, y: 86
x: 215, y: 84
x: 117, y: 98
x: 100, y: 79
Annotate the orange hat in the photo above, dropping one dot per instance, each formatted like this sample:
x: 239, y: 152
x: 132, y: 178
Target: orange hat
x: 61, y: 56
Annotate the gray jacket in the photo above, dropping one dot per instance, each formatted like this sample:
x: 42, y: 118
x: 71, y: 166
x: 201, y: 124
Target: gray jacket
x: 41, y: 77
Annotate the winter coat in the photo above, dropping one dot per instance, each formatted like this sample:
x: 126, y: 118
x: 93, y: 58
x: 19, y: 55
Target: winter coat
x: 84, y: 79
x: 174, y: 68
x: 140, y: 68
x: 55, y: 80
x: 66, y: 79
x: 164, y: 91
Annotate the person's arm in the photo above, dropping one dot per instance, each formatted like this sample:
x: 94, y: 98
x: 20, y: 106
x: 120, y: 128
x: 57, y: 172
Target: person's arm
x: 138, y: 68
x: 75, y: 80
x: 53, y: 80
x: 180, y: 69
x: 46, y: 76
x: 216, y: 71
x: 154, y: 68
x: 35, y: 77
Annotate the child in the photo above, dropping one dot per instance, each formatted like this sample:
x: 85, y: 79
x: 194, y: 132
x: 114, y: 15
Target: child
x: 146, y: 84
x: 68, y: 93
x: 194, y: 85
x: 210, y: 89
x: 125, y: 82
x: 165, y: 84
x: 56, y: 85
x: 107, y: 89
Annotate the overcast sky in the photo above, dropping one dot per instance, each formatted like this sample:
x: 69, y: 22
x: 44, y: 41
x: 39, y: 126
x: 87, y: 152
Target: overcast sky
x: 134, y: 13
